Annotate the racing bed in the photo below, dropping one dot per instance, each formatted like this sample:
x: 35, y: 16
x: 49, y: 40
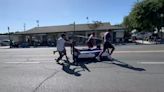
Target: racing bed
x: 79, y: 54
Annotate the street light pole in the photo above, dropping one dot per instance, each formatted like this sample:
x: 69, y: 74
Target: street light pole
x: 87, y: 20
x: 24, y: 27
x: 8, y: 28
x: 74, y: 26
x: 73, y: 41
x: 37, y: 21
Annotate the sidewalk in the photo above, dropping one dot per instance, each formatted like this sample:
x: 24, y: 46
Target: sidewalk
x: 4, y: 47
x: 145, y: 42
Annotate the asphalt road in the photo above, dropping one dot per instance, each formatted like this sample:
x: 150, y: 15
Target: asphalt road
x: 136, y: 68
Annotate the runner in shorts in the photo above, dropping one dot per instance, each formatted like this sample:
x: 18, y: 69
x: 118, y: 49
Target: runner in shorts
x: 107, y: 45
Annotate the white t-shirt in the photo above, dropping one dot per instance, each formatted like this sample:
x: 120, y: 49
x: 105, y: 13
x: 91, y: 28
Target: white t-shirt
x: 107, y: 37
x: 60, y: 44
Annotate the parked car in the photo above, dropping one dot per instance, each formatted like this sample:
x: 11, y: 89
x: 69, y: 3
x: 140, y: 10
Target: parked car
x: 5, y: 43
x: 24, y: 45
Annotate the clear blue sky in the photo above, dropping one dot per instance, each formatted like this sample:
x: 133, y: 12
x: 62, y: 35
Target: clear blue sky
x: 14, y: 13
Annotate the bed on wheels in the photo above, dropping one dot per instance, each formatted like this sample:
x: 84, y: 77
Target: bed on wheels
x: 81, y: 54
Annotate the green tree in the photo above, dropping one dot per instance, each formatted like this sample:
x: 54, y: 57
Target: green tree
x: 95, y: 25
x: 145, y: 15
x: 127, y: 23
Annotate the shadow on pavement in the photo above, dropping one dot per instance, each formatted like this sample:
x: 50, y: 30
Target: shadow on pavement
x: 75, y: 69
x: 67, y: 69
x: 125, y: 65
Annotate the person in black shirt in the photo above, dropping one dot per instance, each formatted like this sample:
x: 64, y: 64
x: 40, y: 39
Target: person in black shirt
x: 107, y: 44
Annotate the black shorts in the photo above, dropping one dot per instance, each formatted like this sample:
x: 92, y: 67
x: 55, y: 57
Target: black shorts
x: 90, y: 44
x: 62, y: 52
x: 108, y: 45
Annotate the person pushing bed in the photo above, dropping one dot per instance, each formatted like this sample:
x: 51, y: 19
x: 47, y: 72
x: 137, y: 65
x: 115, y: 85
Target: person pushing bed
x: 106, y: 45
x: 61, y: 47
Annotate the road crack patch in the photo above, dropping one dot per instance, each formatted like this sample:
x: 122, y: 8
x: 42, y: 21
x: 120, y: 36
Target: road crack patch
x: 42, y: 82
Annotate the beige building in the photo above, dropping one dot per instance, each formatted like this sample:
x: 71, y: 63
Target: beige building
x: 47, y: 34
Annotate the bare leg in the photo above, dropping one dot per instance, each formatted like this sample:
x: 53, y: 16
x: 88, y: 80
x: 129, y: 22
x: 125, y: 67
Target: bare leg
x: 108, y: 51
x: 112, y: 51
x: 66, y: 55
x: 60, y: 56
x: 100, y: 54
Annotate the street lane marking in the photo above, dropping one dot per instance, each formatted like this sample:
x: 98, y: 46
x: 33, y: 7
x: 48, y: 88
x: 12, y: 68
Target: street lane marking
x: 22, y: 62
x: 149, y: 51
x: 151, y: 63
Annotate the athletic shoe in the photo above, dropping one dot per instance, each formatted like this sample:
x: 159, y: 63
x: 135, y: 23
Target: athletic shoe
x: 98, y: 58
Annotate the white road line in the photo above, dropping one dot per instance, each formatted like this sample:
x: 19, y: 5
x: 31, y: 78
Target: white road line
x: 151, y: 63
x: 149, y: 51
x: 22, y: 62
